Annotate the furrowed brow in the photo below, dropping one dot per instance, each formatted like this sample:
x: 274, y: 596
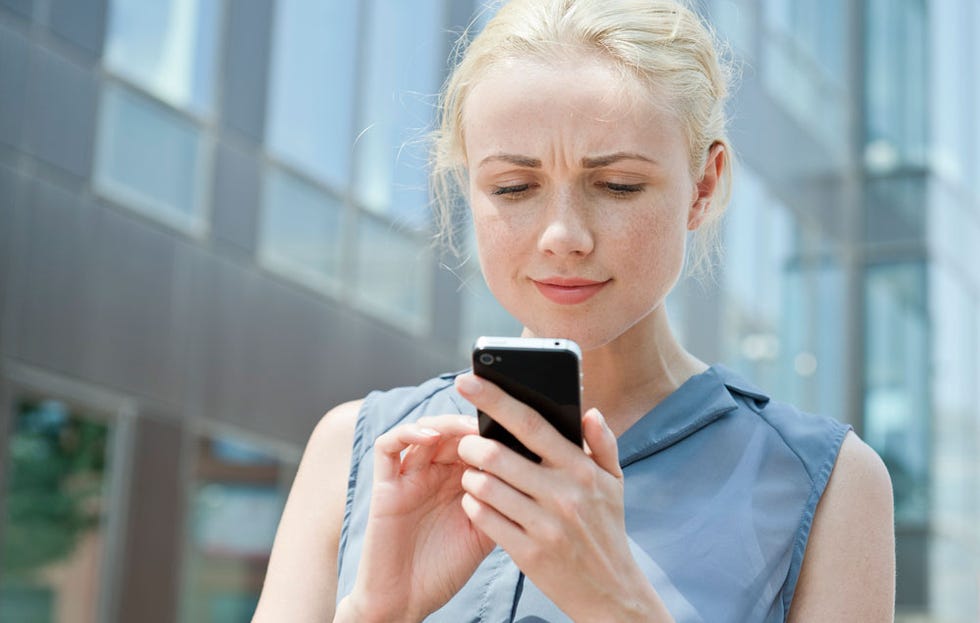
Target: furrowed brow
x: 597, y: 162
x: 521, y: 161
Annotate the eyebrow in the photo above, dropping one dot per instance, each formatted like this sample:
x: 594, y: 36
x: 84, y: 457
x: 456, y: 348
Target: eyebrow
x: 595, y: 162
x: 604, y: 161
x: 521, y: 161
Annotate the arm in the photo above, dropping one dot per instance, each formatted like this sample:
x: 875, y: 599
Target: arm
x: 848, y: 571
x: 301, y: 580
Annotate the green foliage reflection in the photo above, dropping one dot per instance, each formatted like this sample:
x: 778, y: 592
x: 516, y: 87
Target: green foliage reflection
x: 54, y: 486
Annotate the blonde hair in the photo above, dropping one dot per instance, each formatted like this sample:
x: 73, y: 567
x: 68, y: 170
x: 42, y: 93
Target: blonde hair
x: 661, y: 43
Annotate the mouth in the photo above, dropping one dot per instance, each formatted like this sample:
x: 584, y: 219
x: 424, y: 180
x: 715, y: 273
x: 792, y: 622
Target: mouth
x: 568, y: 291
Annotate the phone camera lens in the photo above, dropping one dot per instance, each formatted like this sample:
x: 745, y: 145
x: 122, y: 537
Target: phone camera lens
x: 486, y: 359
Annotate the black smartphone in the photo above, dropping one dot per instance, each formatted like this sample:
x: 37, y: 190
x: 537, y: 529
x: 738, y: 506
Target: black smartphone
x: 543, y: 373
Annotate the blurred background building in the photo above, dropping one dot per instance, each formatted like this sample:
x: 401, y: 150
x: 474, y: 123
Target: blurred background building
x: 214, y: 226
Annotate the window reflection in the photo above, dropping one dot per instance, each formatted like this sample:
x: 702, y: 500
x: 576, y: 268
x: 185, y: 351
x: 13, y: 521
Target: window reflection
x: 166, y: 46
x: 166, y: 181
x: 895, y: 86
x: 311, y: 79
x: 896, y: 377
x: 301, y: 230
x: 393, y: 275
x: 804, y: 65
x: 237, y: 496
x: 53, y: 528
x: 404, y: 70
x: 783, y: 314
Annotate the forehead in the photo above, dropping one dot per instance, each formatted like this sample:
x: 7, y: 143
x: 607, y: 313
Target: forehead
x: 584, y: 101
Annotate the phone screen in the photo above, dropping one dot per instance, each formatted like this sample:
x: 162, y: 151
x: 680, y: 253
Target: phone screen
x: 543, y: 374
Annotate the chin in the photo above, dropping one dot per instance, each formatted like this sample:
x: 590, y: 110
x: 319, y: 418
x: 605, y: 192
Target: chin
x: 588, y: 338
x: 594, y: 330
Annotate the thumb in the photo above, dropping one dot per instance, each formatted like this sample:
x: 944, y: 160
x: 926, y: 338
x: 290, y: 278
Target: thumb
x: 601, y: 441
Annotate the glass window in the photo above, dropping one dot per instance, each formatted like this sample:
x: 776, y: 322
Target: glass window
x: 956, y: 351
x: 404, y: 70
x: 812, y: 330
x: 783, y: 313
x: 54, y: 525
x: 951, y: 106
x: 804, y: 65
x: 895, y: 84
x: 736, y: 21
x: 151, y: 158
x: 167, y: 47
x: 301, y: 230
x: 236, y: 498
x: 393, y: 274
x: 896, y: 207
x: 311, y: 85
x: 896, y: 404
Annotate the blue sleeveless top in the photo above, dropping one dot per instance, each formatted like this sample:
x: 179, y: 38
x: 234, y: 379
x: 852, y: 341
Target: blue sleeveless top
x: 721, y: 487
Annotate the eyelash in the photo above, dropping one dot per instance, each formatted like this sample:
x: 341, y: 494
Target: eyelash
x: 622, y: 190
x: 619, y: 190
x: 512, y: 191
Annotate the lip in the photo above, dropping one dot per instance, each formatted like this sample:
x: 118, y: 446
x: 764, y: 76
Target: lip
x: 568, y: 290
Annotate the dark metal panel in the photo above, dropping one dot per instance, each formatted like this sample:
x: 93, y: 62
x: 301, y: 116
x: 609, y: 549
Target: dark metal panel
x: 98, y: 297
x: 60, y: 119
x: 13, y: 216
x: 236, y: 197
x: 133, y: 338
x: 246, y: 62
x: 81, y: 22
x: 273, y: 357
x: 52, y: 303
x: 152, y: 552
x: 912, y: 562
x: 14, y: 56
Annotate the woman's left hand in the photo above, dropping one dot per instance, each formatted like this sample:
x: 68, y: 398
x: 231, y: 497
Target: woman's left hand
x: 562, y: 521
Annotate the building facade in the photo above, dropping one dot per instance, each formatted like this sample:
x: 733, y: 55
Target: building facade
x: 214, y: 226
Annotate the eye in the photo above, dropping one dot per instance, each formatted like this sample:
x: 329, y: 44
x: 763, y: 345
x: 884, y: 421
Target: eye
x: 511, y: 192
x: 621, y: 190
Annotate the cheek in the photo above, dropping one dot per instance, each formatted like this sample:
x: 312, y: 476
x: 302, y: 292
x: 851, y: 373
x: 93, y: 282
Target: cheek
x: 496, y: 247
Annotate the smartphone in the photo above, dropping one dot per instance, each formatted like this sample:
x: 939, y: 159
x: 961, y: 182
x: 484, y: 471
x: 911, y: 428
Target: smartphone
x: 543, y: 373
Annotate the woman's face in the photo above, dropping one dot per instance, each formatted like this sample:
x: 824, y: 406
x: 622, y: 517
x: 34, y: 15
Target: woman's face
x: 581, y: 196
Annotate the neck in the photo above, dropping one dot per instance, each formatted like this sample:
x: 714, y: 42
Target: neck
x: 627, y: 377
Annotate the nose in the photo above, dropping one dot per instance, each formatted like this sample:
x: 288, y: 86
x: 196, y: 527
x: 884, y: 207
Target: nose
x: 566, y: 229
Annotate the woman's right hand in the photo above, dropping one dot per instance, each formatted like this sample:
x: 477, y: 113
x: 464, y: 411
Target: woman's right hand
x: 420, y: 547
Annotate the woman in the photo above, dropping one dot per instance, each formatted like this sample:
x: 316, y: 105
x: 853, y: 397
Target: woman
x: 590, y: 138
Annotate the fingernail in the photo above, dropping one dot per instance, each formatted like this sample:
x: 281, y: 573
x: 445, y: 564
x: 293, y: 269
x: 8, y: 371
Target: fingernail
x: 602, y: 419
x: 468, y: 384
x: 429, y: 432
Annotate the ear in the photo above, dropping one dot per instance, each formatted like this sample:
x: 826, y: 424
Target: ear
x: 705, y: 188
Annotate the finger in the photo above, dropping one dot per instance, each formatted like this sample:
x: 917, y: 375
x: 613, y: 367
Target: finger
x: 523, y: 422
x: 418, y: 456
x: 601, y: 442
x: 452, y: 428
x: 498, y: 528
x: 500, y: 496
x: 389, y: 446
x: 494, y: 457
x: 450, y: 424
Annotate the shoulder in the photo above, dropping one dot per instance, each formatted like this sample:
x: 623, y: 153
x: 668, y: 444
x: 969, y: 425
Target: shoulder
x: 382, y: 410
x: 300, y: 582
x: 848, y: 571
x: 814, y: 440
x: 336, y: 427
